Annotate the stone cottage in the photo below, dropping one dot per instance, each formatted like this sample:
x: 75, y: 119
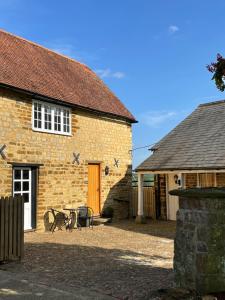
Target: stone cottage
x: 191, y: 155
x: 65, y: 138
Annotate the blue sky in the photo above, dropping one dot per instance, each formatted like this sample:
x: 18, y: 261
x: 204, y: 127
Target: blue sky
x: 152, y: 54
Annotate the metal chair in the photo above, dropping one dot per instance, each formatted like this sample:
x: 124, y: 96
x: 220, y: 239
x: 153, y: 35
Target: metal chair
x: 85, y: 216
x: 60, y: 220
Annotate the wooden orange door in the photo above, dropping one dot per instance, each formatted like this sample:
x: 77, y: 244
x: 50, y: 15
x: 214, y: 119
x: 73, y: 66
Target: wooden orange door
x: 94, y: 187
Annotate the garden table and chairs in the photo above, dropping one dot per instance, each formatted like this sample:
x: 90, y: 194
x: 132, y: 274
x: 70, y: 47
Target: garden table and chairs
x: 73, y: 216
x: 74, y: 219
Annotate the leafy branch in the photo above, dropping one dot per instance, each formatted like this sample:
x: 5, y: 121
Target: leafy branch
x: 218, y: 70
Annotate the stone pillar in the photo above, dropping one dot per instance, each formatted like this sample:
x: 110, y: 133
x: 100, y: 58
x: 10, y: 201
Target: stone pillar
x: 140, y: 216
x: 199, y: 252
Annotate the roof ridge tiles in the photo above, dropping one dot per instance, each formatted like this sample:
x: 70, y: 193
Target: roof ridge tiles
x: 212, y: 103
x: 43, y: 47
x: 25, y: 65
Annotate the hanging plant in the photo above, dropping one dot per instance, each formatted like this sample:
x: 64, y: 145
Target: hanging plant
x: 218, y: 70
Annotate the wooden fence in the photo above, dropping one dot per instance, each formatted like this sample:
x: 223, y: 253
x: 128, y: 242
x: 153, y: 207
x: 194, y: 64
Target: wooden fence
x: 149, y: 202
x: 11, y: 228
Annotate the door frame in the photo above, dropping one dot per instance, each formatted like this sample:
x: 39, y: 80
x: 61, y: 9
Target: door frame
x: 34, y: 184
x: 99, y: 164
x: 167, y: 194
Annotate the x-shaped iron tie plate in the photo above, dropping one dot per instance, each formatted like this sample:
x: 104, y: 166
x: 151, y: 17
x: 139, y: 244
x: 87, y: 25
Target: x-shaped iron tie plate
x: 116, y: 162
x: 2, y: 152
x: 76, y: 158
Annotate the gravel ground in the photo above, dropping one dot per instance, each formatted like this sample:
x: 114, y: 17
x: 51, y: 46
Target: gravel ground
x: 123, y: 260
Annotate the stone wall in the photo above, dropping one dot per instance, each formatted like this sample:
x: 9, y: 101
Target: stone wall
x: 199, y: 258
x: 60, y: 181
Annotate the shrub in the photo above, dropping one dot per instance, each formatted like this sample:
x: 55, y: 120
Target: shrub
x: 218, y: 70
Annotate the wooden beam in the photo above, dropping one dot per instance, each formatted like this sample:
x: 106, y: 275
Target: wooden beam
x: 140, y: 215
x: 183, y: 171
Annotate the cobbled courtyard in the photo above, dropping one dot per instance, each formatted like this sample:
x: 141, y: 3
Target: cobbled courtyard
x: 122, y: 260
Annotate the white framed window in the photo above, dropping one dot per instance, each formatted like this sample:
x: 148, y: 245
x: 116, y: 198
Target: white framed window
x: 47, y: 117
x: 51, y: 118
x: 57, y: 119
x: 37, y: 118
x: 66, y: 121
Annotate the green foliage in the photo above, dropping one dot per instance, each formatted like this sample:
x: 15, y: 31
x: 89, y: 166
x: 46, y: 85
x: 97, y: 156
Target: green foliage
x: 218, y: 70
x: 148, y: 180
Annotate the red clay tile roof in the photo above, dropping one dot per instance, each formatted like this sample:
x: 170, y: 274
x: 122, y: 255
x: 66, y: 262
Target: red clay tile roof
x: 28, y: 66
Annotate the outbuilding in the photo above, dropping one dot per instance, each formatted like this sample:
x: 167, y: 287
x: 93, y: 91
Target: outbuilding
x: 191, y: 155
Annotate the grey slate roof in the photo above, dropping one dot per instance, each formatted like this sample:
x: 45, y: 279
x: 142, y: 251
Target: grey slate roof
x: 198, y: 142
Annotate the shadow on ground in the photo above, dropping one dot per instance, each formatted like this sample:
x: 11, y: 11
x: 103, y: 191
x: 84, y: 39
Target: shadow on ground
x: 119, y: 273
x: 119, y: 198
x: 163, y: 229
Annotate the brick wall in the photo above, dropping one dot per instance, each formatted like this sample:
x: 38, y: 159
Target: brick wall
x: 61, y: 182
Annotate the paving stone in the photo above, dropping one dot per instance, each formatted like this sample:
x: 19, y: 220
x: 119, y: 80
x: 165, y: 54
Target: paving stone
x: 122, y: 260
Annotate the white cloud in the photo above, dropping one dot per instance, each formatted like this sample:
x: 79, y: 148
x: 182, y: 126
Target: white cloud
x: 118, y: 75
x: 107, y: 73
x: 156, y: 118
x: 65, y: 50
x: 71, y: 51
x: 103, y: 73
x: 173, y: 29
